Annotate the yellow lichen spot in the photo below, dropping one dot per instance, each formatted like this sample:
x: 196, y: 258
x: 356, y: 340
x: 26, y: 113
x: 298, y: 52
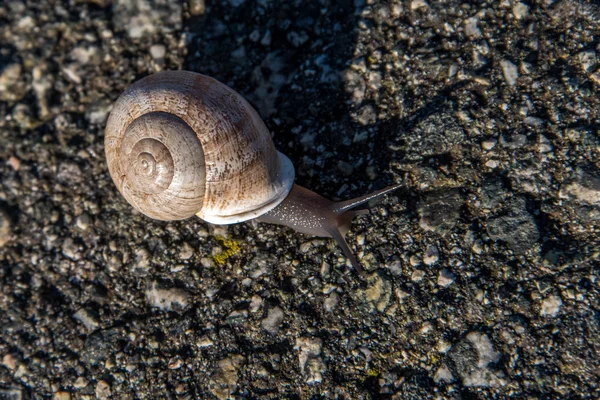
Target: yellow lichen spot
x: 373, y: 371
x: 230, y: 248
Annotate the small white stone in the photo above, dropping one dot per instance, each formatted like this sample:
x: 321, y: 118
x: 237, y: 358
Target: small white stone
x: 510, y: 72
x: 443, y: 374
x: 471, y: 28
x: 197, y: 7
x: 544, y: 145
x: 520, y: 10
x: 204, y: 341
x: 489, y: 144
x: 331, y: 302
x: 186, y: 252
x: 255, y: 303
x: 431, y: 256
x: 414, y: 260
x: 9, y: 362
x: 417, y: 275
x: 158, y: 51
x: 310, y: 360
x: 445, y: 278
x: 166, y: 299
x: 491, y: 164
x: 416, y: 4
x: 551, y: 306
x: 103, y: 390
x: 81, y: 382
x: 426, y: 327
x: 477, y: 247
x: 83, y: 221
x: 273, y: 320
x: 86, y: 319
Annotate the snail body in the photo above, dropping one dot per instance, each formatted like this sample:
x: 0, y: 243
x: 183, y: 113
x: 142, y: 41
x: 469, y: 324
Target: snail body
x: 180, y: 144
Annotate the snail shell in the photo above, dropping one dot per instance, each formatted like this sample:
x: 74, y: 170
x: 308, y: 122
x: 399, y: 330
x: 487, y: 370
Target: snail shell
x: 180, y: 144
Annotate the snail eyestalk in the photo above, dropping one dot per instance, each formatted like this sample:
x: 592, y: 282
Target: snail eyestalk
x: 307, y: 212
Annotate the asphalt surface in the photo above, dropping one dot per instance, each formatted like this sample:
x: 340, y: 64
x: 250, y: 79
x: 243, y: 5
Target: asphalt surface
x: 482, y: 268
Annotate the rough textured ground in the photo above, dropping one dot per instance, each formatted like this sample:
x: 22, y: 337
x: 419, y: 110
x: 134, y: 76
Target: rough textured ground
x: 483, y: 267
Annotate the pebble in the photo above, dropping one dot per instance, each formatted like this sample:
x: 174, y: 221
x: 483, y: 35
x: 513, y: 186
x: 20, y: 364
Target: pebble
x: 158, y: 51
x: 587, y: 59
x: 197, y: 7
x: 355, y: 85
x: 544, y: 145
x: 204, y: 341
x: 471, y: 28
x: 471, y: 359
x: 175, y: 363
x: 141, y: 261
x: 5, y: 228
x: 255, y: 303
x: 186, y: 252
x: 87, y: 319
x: 167, y: 299
x: 80, y: 383
x: 310, y: 361
x: 520, y: 10
x: 416, y: 4
x: 432, y: 255
x: 510, y: 72
x: 266, y: 40
x: 394, y: 266
x: 70, y: 249
x: 83, y: 221
x: 489, y: 144
x: 491, y: 164
x: 273, y: 320
x: 9, y: 362
x: 585, y: 189
x: 551, y: 306
x: 417, y: 275
x: 366, y: 115
x: 443, y: 375
x: 223, y: 382
x: 14, y: 163
x: 445, y: 278
x: 69, y: 174
x: 98, y: 112
x: 331, y: 302
x: 12, y: 87
x: 62, y: 396
x: 378, y: 292
x: 103, y: 390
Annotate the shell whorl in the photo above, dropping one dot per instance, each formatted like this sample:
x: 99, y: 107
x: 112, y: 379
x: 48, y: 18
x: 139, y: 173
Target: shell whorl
x: 179, y: 143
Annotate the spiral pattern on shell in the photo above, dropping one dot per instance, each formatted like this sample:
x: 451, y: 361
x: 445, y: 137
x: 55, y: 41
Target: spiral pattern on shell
x: 179, y: 143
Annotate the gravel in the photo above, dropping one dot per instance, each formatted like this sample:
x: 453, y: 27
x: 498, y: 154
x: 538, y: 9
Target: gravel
x: 481, y: 270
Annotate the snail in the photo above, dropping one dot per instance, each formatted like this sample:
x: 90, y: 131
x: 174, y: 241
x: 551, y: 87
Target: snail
x: 179, y: 144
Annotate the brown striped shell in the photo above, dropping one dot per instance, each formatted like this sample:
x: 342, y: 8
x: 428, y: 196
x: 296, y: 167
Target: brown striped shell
x: 180, y: 144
